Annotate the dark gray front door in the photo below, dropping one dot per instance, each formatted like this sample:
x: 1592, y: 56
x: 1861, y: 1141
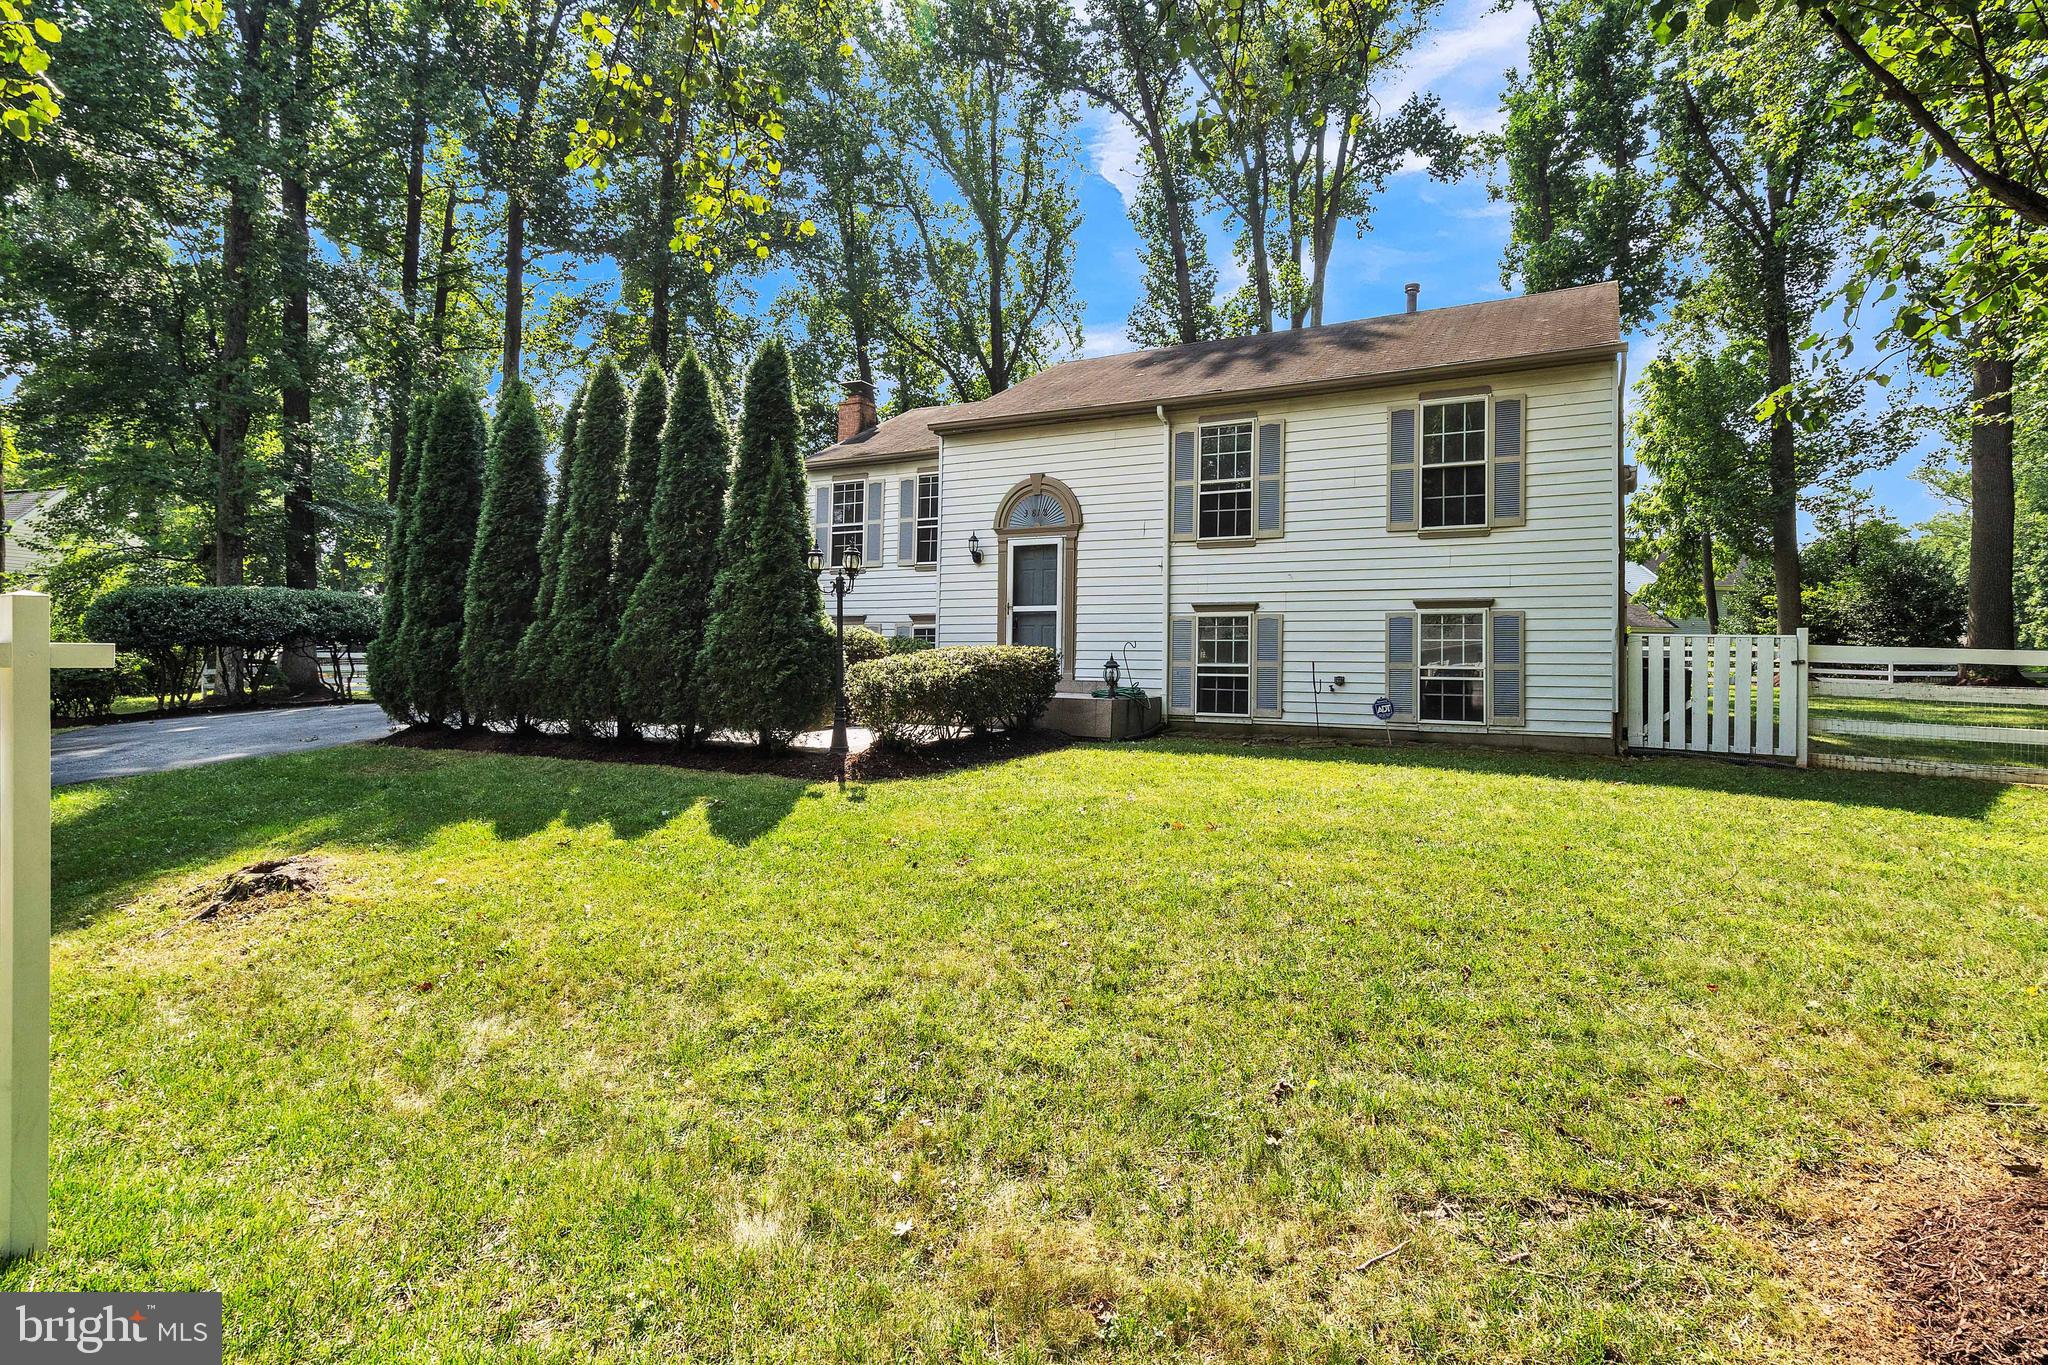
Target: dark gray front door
x: 1035, y: 595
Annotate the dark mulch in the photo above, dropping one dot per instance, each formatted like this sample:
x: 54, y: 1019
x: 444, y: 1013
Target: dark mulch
x: 806, y: 765
x: 1974, y: 1277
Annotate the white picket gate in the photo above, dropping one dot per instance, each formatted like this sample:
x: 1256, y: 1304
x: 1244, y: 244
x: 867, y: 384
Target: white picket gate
x: 1718, y: 694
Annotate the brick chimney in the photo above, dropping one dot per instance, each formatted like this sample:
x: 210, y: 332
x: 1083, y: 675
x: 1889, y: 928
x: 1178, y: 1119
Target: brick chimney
x: 1413, y: 290
x: 857, y: 409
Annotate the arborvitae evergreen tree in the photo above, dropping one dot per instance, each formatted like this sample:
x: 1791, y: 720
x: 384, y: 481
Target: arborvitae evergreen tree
x: 504, y: 568
x: 533, y: 660
x: 637, y: 481
x: 585, y: 618
x: 655, y: 660
x: 386, y: 678
x: 440, y: 533
x: 766, y: 665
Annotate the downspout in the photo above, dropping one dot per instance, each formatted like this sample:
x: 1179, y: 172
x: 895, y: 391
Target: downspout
x: 1621, y: 679
x: 1165, y: 561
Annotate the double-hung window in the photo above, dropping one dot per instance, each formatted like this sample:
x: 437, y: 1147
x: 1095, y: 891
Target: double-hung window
x: 1454, y: 464
x: 927, y: 541
x: 849, y: 520
x: 924, y: 628
x: 1224, y: 483
x: 1452, y: 666
x: 1223, y: 665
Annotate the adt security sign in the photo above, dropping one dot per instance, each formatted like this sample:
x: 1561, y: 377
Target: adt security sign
x: 1382, y: 708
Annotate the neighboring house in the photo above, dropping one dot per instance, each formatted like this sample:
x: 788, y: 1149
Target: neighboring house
x: 27, y: 550
x: 1643, y: 621
x: 1275, y: 530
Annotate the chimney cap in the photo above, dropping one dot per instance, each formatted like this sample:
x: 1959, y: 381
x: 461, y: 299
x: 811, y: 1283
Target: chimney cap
x: 858, y: 388
x: 1413, y: 289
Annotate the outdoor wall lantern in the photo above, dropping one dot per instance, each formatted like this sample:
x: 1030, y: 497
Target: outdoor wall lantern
x: 974, y: 546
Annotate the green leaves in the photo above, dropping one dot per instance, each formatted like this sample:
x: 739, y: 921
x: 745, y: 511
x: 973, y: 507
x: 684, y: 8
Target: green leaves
x: 28, y: 101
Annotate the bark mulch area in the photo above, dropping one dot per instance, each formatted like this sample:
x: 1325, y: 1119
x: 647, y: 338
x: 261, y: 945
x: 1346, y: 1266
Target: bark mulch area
x: 1973, y: 1277
x: 805, y: 765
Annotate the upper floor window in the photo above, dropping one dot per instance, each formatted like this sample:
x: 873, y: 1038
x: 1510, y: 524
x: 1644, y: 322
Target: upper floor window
x: 927, y: 542
x: 849, y: 520
x: 1223, y: 492
x: 1454, y: 464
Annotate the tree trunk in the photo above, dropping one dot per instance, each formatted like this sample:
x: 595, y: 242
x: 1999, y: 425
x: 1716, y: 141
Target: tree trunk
x: 1784, y: 487
x: 238, y: 244
x: 1255, y: 223
x: 663, y: 281
x: 1707, y: 585
x: 515, y: 282
x: 407, y: 367
x: 442, y: 283
x: 302, y: 532
x: 1991, y: 508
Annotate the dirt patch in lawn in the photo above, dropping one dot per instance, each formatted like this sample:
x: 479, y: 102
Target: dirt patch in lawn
x: 259, y: 886
x: 1927, y: 1260
x: 807, y: 765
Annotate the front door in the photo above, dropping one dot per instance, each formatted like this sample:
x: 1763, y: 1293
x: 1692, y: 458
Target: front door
x: 1035, y: 593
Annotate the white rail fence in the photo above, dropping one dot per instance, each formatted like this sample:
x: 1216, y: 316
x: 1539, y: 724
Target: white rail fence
x: 347, y: 674
x: 26, y: 658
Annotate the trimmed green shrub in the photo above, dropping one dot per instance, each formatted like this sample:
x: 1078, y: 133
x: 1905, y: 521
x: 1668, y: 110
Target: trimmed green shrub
x: 387, y: 680
x: 907, y: 644
x: 862, y: 644
x: 637, y: 480
x: 533, y: 660
x: 655, y: 659
x: 440, y: 535
x: 169, y: 630
x: 766, y: 666
x: 504, y: 567
x: 80, y: 694
x: 942, y: 693
x: 585, y: 621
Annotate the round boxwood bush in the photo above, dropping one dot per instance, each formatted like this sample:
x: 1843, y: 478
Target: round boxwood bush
x: 933, y: 694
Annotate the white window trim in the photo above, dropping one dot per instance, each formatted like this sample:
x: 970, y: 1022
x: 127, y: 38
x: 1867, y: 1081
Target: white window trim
x: 925, y: 628
x: 1248, y: 485
x: 923, y: 521
x: 1218, y: 669
x: 1485, y: 616
x: 858, y: 526
x: 1484, y: 463
x: 1059, y: 588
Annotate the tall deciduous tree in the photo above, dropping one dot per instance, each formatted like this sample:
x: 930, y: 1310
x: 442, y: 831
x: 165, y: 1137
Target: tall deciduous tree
x: 1177, y: 292
x: 766, y: 665
x: 440, y: 536
x: 504, y: 567
x: 662, y: 632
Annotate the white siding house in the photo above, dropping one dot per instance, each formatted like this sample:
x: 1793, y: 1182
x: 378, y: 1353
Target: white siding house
x: 1278, y: 531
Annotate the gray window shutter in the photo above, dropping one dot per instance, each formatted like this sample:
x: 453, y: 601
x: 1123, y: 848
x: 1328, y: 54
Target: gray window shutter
x: 821, y: 523
x: 1401, y: 634
x: 1183, y: 485
x: 1180, y: 670
x: 1504, y: 654
x: 1506, y: 482
x: 1401, y: 475
x: 1266, y: 666
x: 877, y: 490
x: 906, y: 521
x: 1270, y: 491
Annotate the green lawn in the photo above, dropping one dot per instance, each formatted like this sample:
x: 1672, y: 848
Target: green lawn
x: 1112, y: 1052
x: 1918, y: 712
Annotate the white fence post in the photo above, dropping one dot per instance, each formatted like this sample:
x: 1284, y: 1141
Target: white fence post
x: 1800, y: 667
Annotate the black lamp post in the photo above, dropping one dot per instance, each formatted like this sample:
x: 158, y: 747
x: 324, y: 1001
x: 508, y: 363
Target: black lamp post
x: 842, y: 583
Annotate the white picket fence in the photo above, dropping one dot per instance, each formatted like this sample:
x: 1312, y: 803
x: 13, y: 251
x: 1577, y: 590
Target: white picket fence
x: 348, y: 673
x: 1718, y: 694
x: 26, y: 658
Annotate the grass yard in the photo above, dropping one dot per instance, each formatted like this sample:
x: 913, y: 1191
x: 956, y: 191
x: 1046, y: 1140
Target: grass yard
x: 1892, y: 710
x: 1147, y: 1052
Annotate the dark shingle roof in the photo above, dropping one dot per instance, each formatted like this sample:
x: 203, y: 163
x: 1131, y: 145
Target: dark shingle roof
x: 1502, y: 333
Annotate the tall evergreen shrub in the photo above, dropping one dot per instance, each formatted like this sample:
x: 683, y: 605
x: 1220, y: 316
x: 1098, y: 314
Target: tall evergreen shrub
x: 386, y: 677
x: 655, y: 660
x: 504, y: 567
x: 440, y: 535
x: 766, y: 665
x: 637, y: 481
x: 585, y: 619
x: 533, y: 660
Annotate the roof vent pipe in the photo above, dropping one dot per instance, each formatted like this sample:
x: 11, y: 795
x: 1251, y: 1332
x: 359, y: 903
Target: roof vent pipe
x: 1413, y: 290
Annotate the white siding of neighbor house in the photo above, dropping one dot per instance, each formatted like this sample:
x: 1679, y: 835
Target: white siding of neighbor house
x: 1117, y: 471
x: 888, y: 592
x: 1337, y: 571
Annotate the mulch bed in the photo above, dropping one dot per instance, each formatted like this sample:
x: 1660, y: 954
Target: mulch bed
x: 807, y: 765
x: 1973, y: 1278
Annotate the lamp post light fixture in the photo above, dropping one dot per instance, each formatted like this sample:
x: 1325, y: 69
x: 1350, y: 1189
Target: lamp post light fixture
x: 1111, y: 671
x: 842, y: 583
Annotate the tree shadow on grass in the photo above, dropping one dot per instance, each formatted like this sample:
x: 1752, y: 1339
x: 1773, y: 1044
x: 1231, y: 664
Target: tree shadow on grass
x: 110, y: 840
x: 1948, y: 797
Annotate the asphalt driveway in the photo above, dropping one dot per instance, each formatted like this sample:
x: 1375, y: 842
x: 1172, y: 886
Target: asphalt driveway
x: 92, y: 752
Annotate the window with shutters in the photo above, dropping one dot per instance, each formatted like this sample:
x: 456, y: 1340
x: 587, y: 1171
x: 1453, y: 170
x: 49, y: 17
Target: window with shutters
x: 1454, y: 464
x: 1223, y: 493
x: 1451, y: 666
x: 1223, y: 665
x: 927, y: 544
x: 849, y: 520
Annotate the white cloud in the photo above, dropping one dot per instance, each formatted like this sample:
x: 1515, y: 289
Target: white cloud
x: 1115, y: 152
x: 1464, y: 65
x: 1108, y: 340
